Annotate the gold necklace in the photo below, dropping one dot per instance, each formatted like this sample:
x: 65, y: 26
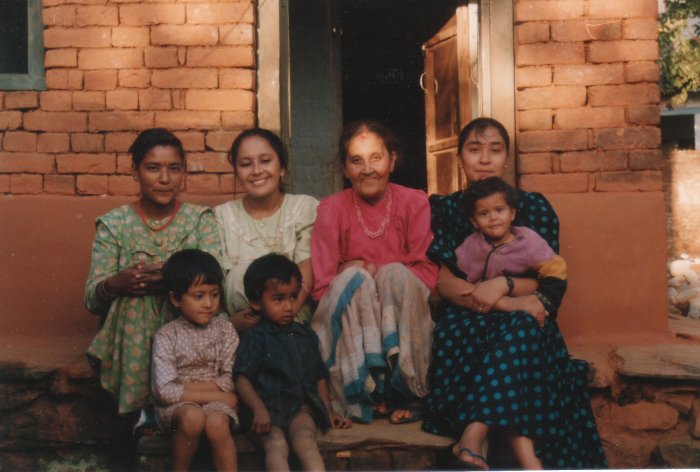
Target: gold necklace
x: 270, y: 245
x: 385, y: 220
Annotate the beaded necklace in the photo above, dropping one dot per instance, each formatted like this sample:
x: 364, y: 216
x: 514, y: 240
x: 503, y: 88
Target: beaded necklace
x: 385, y: 220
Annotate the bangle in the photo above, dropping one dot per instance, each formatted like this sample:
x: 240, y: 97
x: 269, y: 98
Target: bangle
x: 510, y: 284
x: 103, y: 292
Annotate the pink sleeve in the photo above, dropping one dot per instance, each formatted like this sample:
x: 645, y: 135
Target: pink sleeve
x: 419, y: 236
x: 325, y: 247
x: 228, y: 355
x: 537, y: 248
x: 164, y: 385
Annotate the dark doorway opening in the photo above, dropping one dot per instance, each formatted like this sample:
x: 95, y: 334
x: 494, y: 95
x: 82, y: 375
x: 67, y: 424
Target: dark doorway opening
x: 382, y: 61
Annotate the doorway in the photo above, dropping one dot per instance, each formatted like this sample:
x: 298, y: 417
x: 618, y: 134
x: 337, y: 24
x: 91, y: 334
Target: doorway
x: 381, y: 67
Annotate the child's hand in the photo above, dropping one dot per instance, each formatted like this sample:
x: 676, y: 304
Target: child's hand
x: 340, y: 422
x: 243, y: 320
x: 261, y: 421
x: 230, y: 399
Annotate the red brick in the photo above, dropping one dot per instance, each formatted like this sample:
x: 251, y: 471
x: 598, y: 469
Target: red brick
x: 53, y: 142
x: 533, y: 76
x: 10, y: 120
x: 86, y: 163
x: 64, y: 79
x: 123, y: 185
x: 184, y: 35
x: 122, y: 99
x: 178, y: 99
x: 631, y: 181
x: 97, y: 37
x: 554, y: 183
x: 88, y: 100
x: 185, y: 78
x: 550, y: 53
x: 237, y: 35
x: 191, y: 140
x: 4, y: 183
x: 534, y: 119
x: 535, y: 163
x: 642, y: 72
x: 644, y: 115
x: 59, y: 16
x: 61, y: 58
x: 589, y: 74
x: 55, y: 121
x: 179, y: 120
x: 642, y: 28
x: 21, y: 100
x: 625, y: 138
x: 56, y: 101
x: 217, y: 13
x: 221, y: 140
x: 156, y: 58
x: 572, y: 31
x: 208, y: 162
x: 19, y: 141
x: 59, y: 184
x: 590, y: 117
x: 592, y: 161
x: 127, y: 36
x: 121, y: 121
x: 651, y: 159
x: 622, y: 9
x: 547, y: 10
x: 111, y: 58
x: 146, y: 14
x: 555, y: 140
x: 633, y: 94
x: 97, y: 16
x: 29, y: 162
x: 222, y: 56
x: 203, y: 184
x: 527, y: 33
x: 124, y: 164
x: 51, y: 3
x: 227, y: 183
x: 550, y: 97
x: 26, y: 183
x: 87, y: 142
x: 155, y: 99
x: 237, y: 120
x: 100, y: 80
x: 92, y: 184
x: 228, y: 100
x: 623, y: 51
x: 237, y: 78
x: 136, y: 78
x: 119, y: 142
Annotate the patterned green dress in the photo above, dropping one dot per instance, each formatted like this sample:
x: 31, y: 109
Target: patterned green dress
x: 123, y: 344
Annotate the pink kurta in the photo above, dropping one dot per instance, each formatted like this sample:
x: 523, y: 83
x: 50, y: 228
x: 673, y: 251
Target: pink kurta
x: 338, y: 236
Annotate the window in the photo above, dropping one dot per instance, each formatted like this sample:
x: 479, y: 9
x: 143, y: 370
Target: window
x: 21, y: 45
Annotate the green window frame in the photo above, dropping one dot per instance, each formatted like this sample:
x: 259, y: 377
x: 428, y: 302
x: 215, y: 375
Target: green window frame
x: 34, y: 78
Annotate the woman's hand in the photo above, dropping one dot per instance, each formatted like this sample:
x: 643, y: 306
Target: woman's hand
x: 261, y: 420
x: 456, y: 290
x: 369, y: 267
x: 487, y: 293
x: 528, y: 303
x: 136, y: 280
x: 245, y: 319
x: 339, y: 422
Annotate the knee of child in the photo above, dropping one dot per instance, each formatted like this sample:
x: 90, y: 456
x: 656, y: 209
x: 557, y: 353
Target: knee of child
x: 189, y: 419
x: 217, y: 425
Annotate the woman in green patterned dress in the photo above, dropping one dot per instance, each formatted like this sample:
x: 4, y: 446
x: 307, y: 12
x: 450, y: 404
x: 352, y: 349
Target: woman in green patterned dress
x: 131, y: 244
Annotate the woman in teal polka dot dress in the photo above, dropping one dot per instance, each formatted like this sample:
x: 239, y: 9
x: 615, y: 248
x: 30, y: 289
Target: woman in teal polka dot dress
x: 494, y: 367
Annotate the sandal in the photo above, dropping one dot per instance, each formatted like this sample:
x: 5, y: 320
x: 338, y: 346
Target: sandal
x: 415, y: 413
x: 477, y: 462
x: 382, y: 410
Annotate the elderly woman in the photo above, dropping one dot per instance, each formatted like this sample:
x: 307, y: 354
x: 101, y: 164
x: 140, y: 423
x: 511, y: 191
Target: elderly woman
x: 493, y: 364
x: 265, y: 220
x: 372, y: 280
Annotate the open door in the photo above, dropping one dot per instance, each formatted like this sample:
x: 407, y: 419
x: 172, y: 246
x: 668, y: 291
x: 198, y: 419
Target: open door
x: 449, y: 84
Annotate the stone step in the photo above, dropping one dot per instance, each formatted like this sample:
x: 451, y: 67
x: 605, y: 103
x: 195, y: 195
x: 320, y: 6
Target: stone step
x: 661, y: 361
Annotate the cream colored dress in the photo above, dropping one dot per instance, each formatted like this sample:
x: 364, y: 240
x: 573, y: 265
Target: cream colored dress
x: 244, y: 239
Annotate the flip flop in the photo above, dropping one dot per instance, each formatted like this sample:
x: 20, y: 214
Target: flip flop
x: 415, y: 413
x: 474, y: 465
x: 384, y: 412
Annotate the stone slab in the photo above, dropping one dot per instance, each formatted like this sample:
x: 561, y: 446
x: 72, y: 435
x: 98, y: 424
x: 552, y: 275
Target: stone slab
x: 684, y: 327
x: 381, y: 433
x: 666, y: 361
x: 678, y: 455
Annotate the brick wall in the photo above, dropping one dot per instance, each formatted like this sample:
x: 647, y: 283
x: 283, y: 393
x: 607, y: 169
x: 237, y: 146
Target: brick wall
x: 587, y: 96
x: 115, y: 67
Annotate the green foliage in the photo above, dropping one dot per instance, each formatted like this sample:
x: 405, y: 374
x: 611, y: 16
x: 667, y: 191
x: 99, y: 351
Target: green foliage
x: 680, y: 50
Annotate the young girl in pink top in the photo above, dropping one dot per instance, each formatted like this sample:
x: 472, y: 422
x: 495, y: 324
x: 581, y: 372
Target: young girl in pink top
x: 372, y: 281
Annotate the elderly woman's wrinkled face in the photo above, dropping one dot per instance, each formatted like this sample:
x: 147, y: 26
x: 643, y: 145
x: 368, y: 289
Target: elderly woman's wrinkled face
x: 484, y: 155
x: 368, y: 165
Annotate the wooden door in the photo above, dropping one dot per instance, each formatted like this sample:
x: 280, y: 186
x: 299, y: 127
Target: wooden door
x: 449, y: 89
